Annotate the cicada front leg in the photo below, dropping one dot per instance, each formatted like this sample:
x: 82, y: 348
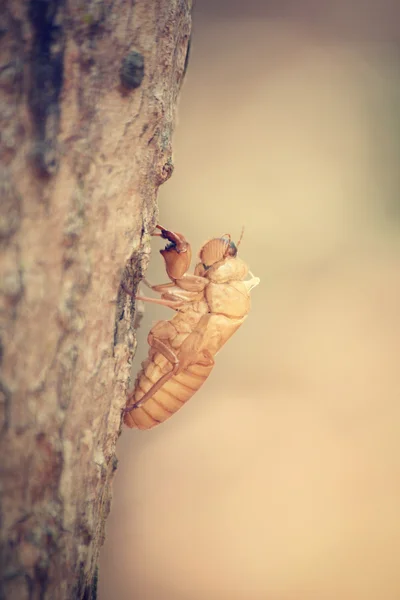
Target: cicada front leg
x: 177, y: 254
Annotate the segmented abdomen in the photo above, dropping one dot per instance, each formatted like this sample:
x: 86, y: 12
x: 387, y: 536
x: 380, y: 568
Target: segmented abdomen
x: 167, y: 400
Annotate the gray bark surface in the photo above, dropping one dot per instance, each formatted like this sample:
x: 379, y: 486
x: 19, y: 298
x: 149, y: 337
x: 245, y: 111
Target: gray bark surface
x: 88, y: 93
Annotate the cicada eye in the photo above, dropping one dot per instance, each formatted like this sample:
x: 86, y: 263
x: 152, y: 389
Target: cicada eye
x: 230, y: 247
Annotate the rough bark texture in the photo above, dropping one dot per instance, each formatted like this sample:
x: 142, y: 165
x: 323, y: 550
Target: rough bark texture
x: 88, y: 97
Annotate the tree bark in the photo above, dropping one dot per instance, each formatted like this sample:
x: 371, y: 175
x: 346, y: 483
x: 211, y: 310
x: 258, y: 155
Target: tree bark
x: 87, y: 106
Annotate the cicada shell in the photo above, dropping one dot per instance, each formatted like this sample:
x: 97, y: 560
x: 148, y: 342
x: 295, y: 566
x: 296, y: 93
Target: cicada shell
x: 210, y: 304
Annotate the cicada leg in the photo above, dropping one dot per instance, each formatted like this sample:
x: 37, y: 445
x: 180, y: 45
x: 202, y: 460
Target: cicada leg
x: 193, y: 349
x: 159, y: 287
x: 171, y: 303
x: 206, y: 359
x: 174, y: 304
x: 189, y: 283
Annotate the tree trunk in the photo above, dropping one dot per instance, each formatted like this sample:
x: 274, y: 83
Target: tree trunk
x: 88, y: 98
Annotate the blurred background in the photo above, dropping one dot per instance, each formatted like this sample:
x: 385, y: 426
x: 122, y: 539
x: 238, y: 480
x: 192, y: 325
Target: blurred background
x: 280, y: 479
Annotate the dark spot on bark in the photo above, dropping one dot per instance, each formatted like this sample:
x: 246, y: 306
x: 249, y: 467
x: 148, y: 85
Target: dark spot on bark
x: 11, y: 77
x: 67, y: 362
x: 46, y: 80
x: 5, y: 404
x: 48, y: 468
x: 114, y: 463
x: 10, y: 206
x: 132, y: 70
x: 144, y: 129
x: 41, y: 579
x: 187, y: 56
x: 11, y: 84
x: 87, y: 591
x: 45, y: 157
x: 85, y: 533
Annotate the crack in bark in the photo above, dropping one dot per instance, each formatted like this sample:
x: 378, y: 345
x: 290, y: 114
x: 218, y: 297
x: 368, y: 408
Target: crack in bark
x: 47, y: 76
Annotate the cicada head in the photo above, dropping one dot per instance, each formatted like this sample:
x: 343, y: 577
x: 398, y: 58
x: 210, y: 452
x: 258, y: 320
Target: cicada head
x: 218, y: 249
x: 177, y: 254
